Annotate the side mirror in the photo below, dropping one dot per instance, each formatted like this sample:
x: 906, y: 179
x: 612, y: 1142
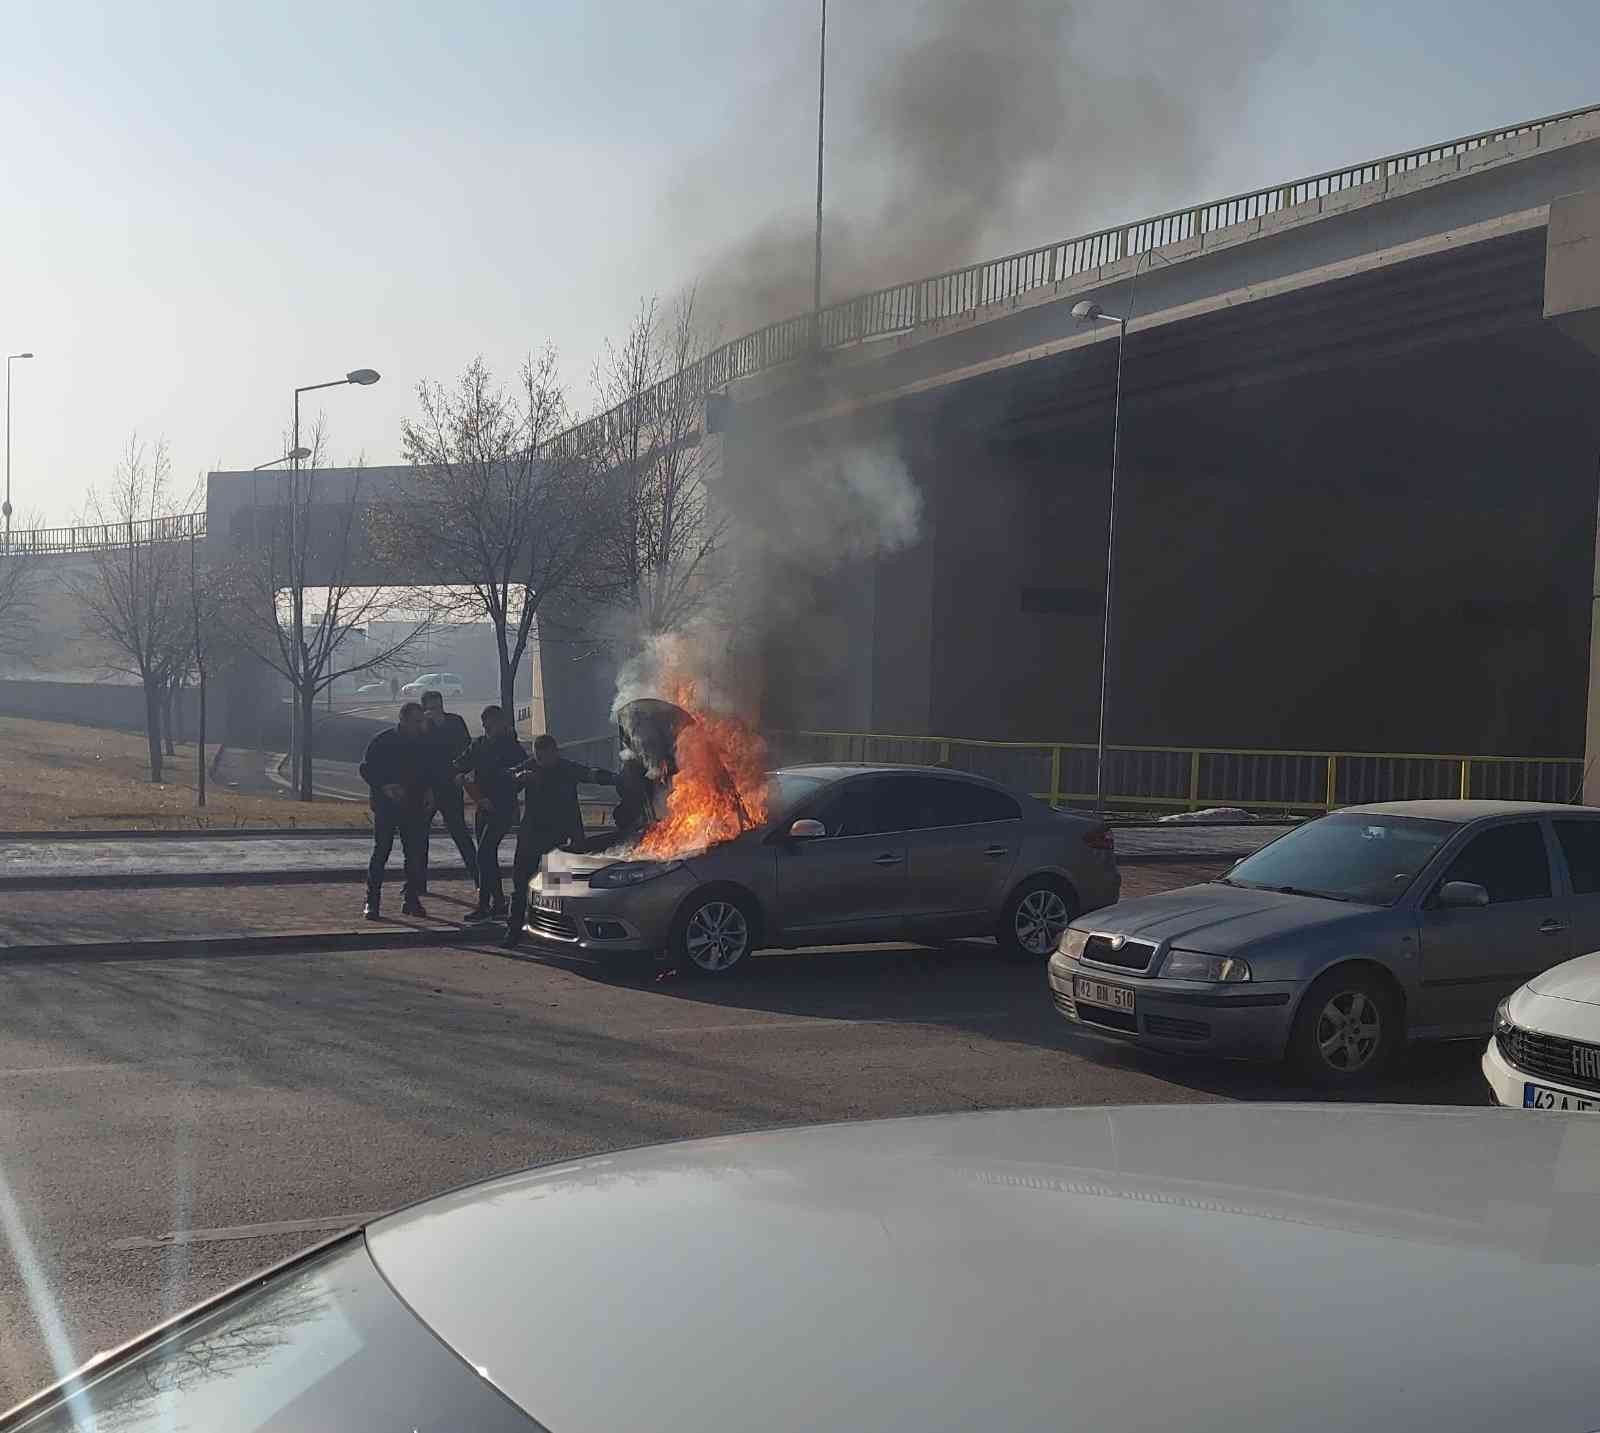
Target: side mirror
x: 1457, y: 895
x: 806, y: 829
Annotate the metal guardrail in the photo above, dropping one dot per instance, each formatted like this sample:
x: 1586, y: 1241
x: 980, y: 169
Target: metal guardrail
x: 1193, y: 778
x: 901, y: 307
x: 100, y: 537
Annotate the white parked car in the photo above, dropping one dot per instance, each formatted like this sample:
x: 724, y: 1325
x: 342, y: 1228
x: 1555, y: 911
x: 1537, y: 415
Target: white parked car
x: 1545, y: 1052
x: 447, y: 684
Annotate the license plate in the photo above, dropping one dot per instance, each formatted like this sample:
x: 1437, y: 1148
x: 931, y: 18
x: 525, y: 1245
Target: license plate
x: 1542, y: 1097
x: 1097, y: 992
x: 546, y: 903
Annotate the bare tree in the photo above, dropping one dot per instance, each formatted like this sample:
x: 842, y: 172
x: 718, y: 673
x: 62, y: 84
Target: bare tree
x: 132, y: 596
x: 307, y: 540
x: 19, y: 596
x: 656, y: 558
x: 495, y: 511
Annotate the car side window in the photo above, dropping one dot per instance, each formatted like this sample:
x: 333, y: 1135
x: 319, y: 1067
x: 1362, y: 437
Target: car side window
x: 964, y: 803
x: 852, y: 808
x: 1580, y: 844
x: 1510, y: 862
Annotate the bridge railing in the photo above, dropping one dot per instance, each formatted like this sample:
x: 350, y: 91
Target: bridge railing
x: 98, y: 537
x: 901, y: 307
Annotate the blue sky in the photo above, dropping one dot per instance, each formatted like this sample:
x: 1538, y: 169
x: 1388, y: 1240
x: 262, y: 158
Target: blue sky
x: 205, y: 205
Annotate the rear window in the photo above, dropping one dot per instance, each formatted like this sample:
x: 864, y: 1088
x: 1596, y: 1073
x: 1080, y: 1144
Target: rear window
x: 1580, y: 843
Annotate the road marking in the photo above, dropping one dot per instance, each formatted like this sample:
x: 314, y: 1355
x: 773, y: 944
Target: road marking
x: 826, y: 1020
x: 244, y: 1231
x: 57, y: 1069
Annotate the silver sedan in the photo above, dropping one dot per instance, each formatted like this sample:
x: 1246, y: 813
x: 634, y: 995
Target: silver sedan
x: 1340, y: 940
x: 850, y: 854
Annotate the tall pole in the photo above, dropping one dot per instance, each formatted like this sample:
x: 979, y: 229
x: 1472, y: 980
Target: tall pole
x: 7, y: 508
x: 822, y: 95
x: 296, y: 599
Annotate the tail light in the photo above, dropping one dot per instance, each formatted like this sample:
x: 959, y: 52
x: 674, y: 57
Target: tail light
x: 1102, y: 840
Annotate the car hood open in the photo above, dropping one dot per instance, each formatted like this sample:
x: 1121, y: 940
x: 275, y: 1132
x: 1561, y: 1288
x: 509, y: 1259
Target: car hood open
x: 1219, y: 920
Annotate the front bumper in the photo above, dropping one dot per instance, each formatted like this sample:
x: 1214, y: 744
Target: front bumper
x: 1243, y: 1022
x: 1508, y: 1084
x: 568, y: 914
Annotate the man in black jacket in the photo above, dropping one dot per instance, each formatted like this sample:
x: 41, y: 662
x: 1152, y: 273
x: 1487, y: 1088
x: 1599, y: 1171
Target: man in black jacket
x: 550, y: 818
x: 395, y: 770
x: 487, y: 764
x: 445, y: 736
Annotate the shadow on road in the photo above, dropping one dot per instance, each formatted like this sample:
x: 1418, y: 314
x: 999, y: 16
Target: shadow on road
x: 967, y: 984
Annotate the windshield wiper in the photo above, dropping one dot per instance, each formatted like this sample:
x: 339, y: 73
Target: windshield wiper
x: 1319, y: 895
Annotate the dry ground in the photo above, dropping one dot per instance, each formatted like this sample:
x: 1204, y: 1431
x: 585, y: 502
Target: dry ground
x: 59, y: 777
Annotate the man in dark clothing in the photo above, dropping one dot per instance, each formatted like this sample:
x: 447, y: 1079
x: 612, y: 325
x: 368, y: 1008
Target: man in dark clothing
x: 395, y: 772
x: 445, y: 736
x: 487, y: 765
x: 550, y: 818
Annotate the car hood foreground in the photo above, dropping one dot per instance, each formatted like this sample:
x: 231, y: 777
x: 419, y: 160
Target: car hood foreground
x: 1223, y: 1267
x: 1217, y: 919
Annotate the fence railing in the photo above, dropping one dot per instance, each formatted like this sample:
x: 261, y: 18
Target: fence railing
x: 98, y: 537
x: 900, y: 307
x: 1192, y: 778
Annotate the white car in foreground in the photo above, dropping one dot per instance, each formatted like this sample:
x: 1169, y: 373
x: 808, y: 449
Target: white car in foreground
x: 1545, y: 1052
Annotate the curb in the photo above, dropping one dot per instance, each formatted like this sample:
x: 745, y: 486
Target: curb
x: 241, y: 944
x: 134, y: 880
x: 209, y: 833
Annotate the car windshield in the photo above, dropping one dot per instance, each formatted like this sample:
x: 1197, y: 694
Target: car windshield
x: 328, y: 1346
x: 786, y: 789
x: 1346, y: 857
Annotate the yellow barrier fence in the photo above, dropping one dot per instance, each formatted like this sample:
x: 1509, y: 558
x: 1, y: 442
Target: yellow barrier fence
x: 1192, y: 778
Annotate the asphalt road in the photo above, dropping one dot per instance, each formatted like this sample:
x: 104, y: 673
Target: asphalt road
x: 223, y: 1099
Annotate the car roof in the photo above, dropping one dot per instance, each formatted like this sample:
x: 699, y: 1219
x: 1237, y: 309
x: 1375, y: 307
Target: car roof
x: 1029, y: 1269
x: 1462, y: 812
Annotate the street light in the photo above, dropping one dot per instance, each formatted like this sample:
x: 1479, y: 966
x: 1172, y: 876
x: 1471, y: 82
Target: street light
x: 365, y: 378
x: 1088, y: 311
x: 6, y: 507
x: 293, y: 453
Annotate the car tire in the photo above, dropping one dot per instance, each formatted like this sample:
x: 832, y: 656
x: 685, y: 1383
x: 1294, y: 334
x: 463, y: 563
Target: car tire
x: 1033, y: 920
x: 1346, y: 1029
x: 714, y: 932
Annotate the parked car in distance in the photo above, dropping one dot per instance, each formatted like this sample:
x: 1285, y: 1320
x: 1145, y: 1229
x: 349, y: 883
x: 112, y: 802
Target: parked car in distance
x: 932, y: 1275
x: 373, y: 689
x: 849, y: 854
x: 447, y: 684
x: 1340, y: 940
x: 1545, y: 1050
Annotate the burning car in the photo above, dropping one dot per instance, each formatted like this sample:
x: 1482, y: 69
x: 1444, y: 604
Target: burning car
x: 743, y: 858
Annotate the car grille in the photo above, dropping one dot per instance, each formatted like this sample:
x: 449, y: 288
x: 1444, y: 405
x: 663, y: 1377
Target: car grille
x: 1134, y: 955
x: 1175, y: 1029
x: 551, y: 924
x: 1552, y: 1056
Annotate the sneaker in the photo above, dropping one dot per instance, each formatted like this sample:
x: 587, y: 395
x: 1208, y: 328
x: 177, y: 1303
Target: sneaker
x: 513, y: 938
x: 413, y: 907
x: 370, y: 911
x: 478, y: 915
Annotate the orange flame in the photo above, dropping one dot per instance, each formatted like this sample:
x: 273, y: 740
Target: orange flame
x: 721, y: 785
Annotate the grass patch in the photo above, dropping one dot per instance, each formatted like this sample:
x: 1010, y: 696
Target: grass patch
x: 58, y: 777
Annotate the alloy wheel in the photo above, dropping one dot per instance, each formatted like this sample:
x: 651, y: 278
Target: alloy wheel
x: 717, y: 936
x: 1041, y: 917
x: 1348, y: 1032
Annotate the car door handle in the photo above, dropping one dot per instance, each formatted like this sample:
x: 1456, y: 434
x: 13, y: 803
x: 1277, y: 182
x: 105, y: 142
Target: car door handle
x: 997, y: 850
x: 1551, y: 927
x: 888, y: 858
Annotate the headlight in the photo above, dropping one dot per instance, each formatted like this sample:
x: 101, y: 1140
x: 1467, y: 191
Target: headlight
x: 1191, y: 965
x: 1073, y: 943
x: 1502, y: 1021
x: 630, y: 873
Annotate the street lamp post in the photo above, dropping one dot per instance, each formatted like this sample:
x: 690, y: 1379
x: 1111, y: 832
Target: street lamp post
x: 273, y: 462
x: 365, y: 377
x: 1088, y: 311
x: 6, y: 508
x: 822, y: 94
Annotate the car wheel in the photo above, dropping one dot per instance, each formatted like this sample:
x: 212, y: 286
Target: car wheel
x: 1347, y: 1028
x: 713, y: 934
x: 1039, y: 910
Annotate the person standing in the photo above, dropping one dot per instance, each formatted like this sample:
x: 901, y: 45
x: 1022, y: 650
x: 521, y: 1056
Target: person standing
x: 487, y: 764
x: 550, y: 818
x: 394, y: 770
x: 445, y: 736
